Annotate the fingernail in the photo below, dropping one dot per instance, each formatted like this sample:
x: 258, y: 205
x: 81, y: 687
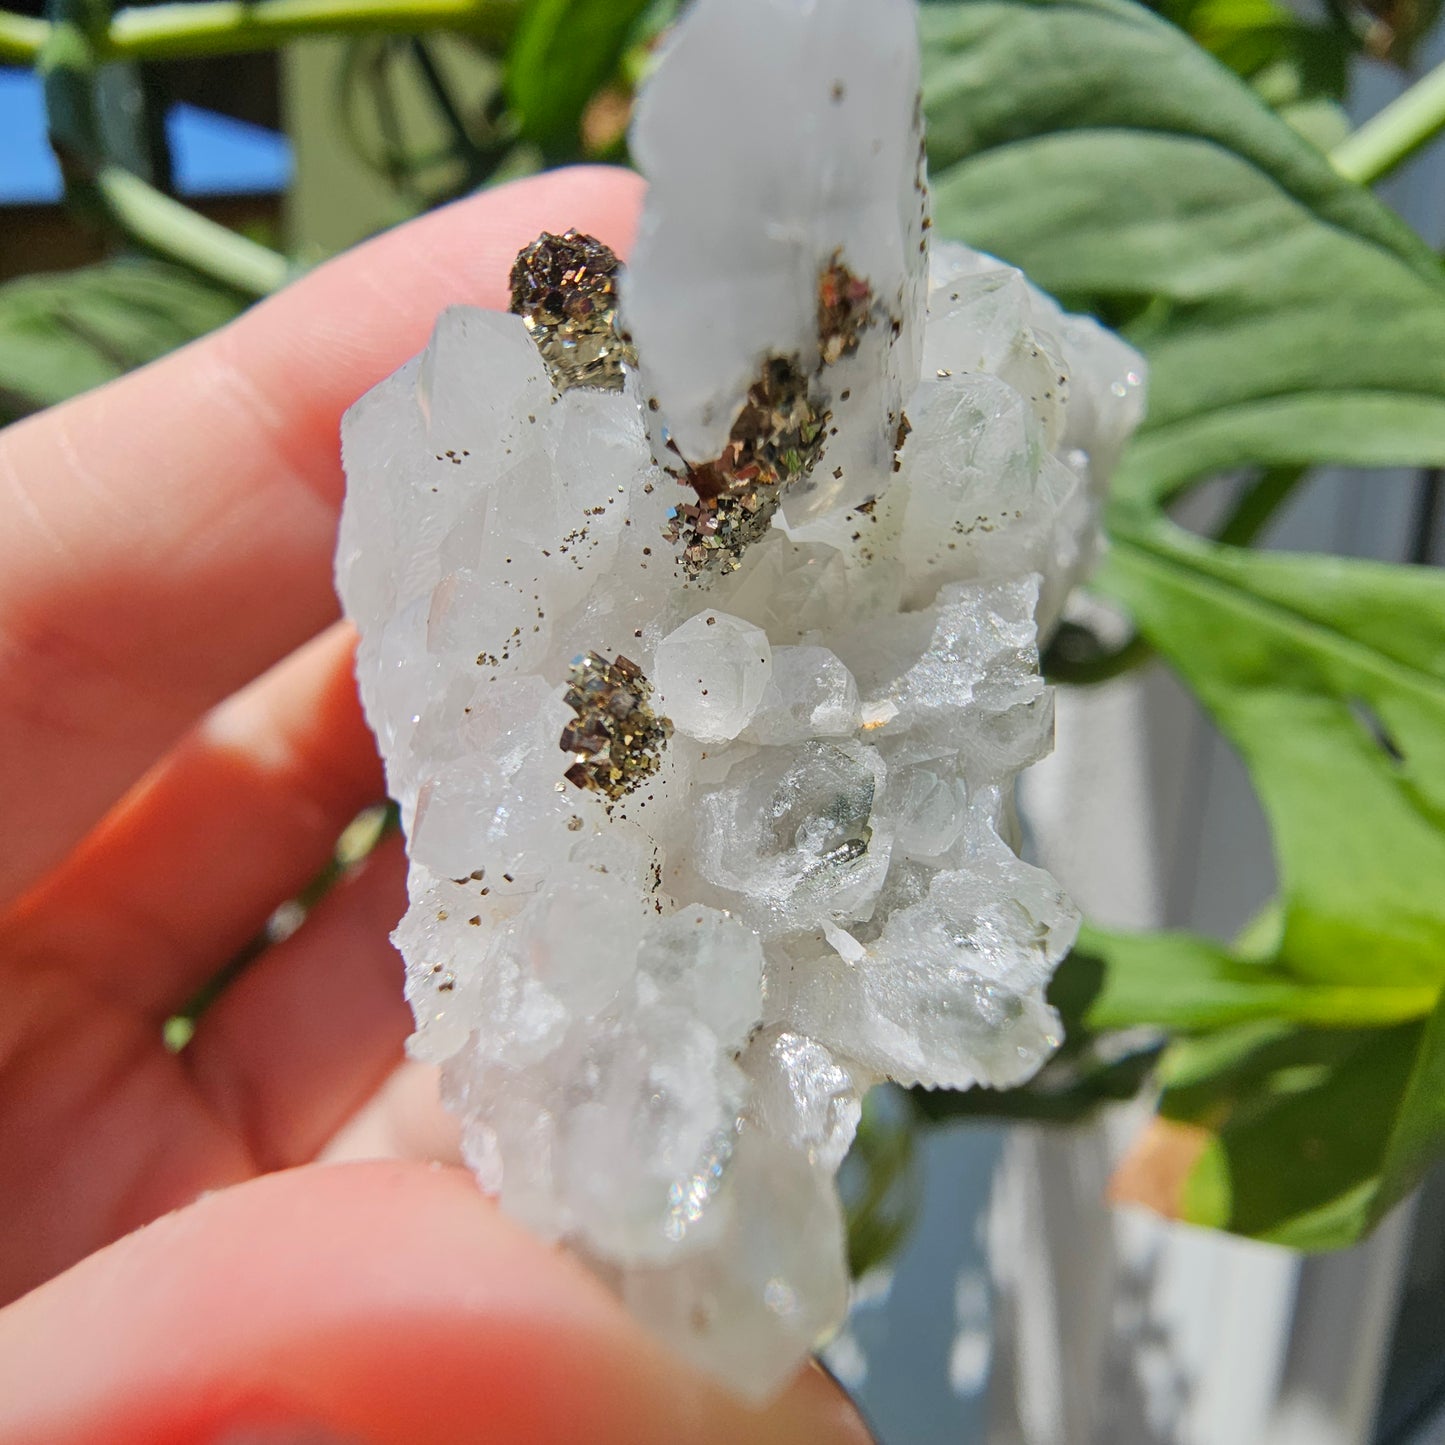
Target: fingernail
x: 852, y: 1427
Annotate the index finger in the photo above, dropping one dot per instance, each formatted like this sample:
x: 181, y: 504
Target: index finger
x: 166, y: 538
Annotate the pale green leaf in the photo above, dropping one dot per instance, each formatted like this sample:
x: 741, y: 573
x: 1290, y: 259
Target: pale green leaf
x: 62, y: 334
x: 1178, y: 980
x: 1287, y: 316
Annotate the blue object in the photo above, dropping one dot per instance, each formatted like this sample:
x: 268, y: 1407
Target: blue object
x: 212, y: 154
x: 27, y: 168
x: 217, y: 155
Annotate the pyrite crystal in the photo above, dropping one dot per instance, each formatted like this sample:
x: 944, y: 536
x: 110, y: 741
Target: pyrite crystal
x: 658, y: 973
x: 616, y: 739
x: 845, y: 304
x: 775, y: 440
x: 565, y: 290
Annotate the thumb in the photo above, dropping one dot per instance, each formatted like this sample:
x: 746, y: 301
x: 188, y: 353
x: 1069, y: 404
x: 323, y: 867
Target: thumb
x: 380, y: 1303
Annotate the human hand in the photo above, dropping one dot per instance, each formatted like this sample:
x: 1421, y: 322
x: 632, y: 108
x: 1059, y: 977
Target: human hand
x: 180, y: 744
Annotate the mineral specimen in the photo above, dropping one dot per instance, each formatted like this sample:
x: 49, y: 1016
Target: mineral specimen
x: 777, y: 437
x: 565, y: 290
x: 616, y: 737
x: 775, y: 581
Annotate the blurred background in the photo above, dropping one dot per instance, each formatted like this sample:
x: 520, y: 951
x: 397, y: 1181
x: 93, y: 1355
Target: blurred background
x: 305, y: 146
x: 1001, y: 1299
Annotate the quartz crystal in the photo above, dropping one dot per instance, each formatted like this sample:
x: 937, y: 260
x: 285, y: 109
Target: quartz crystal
x: 700, y: 608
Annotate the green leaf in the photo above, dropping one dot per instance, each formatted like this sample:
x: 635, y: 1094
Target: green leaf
x: 1288, y: 319
x: 1176, y: 980
x: 1307, y: 1137
x: 562, y: 53
x: 1287, y: 316
x: 1328, y: 676
x: 1285, y: 59
x: 63, y: 334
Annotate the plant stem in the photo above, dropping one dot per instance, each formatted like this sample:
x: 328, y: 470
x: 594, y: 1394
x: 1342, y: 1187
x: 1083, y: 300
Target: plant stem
x: 223, y: 27
x: 1396, y: 133
x: 181, y: 234
x: 227, y: 27
x: 21, y: 37
x: 1258, y: 505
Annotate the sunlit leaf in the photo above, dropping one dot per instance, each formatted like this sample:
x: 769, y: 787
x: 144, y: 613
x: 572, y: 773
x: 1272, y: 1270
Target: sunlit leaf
x: 1288, y: 317
x: 1288, y: 320
x: 1328, y: 676
x: 1301, y: 1137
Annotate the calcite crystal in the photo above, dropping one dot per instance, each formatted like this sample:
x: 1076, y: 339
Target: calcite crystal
x: 702, y: 648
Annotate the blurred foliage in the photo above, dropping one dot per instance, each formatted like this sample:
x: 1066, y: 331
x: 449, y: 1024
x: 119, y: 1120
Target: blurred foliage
x: 880, y: 1180
x: 563, y: 53
x: 1289, y: 320
x: 1306, y: 1137
x: 63, y: 333
x: 478, y: 134
x: 1167, y: 172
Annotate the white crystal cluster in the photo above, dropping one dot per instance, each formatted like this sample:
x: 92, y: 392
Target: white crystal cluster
x: 656, y: 1016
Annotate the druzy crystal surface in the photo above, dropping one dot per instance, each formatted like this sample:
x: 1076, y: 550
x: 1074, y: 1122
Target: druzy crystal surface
x: 700, y: 608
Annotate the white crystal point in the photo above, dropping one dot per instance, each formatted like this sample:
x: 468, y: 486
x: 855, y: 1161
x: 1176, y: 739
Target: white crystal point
x: 951, y: 992
x: 704, y: 960
x: 600, y: 1089
x: 932, y: 810
x: 803, y: 1095
x: 750, y: 1305
x: 456, y: 413
x: 1103, y: 400
x: 735, y: 236
x: 793, y: 835
x: 711, y: 674
x: 985, y: 498
x: 810, y: 695
x: 986, y: 323
x: 707, y: 786
x: 1080, y: 384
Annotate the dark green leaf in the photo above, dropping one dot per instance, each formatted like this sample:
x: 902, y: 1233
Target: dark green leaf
x: 1287, y: 316
x: 61, y: 334
x: 563, y: 52
x: 1297, y: 67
